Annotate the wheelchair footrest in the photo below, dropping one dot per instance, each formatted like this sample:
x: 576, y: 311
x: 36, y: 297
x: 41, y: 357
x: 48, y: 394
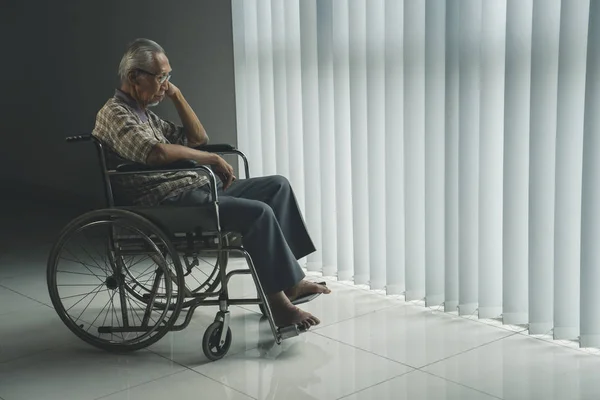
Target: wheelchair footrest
x: 290, y: 331
x: 309, y: 297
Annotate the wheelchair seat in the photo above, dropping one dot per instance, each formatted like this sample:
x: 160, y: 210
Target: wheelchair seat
x: 179, y: 219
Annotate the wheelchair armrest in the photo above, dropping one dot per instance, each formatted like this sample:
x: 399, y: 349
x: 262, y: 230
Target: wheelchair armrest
x: 226, y: 149
x: 135, y: 167
x: 216, y: 148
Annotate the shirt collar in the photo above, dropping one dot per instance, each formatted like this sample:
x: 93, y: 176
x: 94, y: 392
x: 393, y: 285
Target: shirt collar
x: 132, y: 103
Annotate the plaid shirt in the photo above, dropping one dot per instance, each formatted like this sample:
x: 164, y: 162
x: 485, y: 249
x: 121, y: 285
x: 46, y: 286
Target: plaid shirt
x: 130, y: 134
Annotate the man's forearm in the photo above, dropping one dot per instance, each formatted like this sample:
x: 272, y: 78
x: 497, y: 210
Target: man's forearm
x: 193, y: 128
x: 168, y: 153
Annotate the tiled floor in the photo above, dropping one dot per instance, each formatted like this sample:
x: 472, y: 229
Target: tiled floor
x: 368, y: 347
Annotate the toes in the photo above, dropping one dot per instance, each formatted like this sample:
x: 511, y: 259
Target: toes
x: 322, y: 288
x: 319, y: 288
x: 313, y: 320
x: 308, y: 321
x: 325, y: 289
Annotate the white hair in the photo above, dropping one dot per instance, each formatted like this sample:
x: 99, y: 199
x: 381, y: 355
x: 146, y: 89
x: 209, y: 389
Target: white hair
x: 140, y: 54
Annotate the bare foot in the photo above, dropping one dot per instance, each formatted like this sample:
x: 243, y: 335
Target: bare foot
x: 305, y: 287
x: 285, y: 313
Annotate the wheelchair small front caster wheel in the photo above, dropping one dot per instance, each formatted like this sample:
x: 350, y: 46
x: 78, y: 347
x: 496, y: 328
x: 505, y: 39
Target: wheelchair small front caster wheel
x: 211, y: 342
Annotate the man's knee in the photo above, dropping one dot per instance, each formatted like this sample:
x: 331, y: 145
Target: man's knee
x: 246, y: 217
x: 262, y: 210
x: 280, y: 181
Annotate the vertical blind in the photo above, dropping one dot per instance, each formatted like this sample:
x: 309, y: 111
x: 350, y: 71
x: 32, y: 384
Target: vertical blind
x: 447, y: 150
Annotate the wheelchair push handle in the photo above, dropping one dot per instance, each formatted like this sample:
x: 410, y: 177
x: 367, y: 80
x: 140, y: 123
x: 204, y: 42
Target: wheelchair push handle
x: 79, y: 138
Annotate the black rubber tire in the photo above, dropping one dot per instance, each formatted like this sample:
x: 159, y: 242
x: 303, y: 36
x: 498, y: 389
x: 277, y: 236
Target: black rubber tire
x: 210, y: 342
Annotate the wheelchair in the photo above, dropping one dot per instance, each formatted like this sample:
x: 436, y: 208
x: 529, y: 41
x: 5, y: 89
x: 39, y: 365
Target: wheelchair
x: 121, y: 277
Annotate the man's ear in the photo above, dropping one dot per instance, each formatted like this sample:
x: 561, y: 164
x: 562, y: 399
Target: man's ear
x: 132, y: 76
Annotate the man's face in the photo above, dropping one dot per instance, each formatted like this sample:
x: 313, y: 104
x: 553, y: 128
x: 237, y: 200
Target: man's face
x: 150, y: 86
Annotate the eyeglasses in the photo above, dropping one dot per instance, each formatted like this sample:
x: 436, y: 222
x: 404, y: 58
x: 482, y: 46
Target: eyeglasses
x: 161, y: 78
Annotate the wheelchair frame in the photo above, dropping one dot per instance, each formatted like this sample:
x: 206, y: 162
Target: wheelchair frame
x: 221, y: 326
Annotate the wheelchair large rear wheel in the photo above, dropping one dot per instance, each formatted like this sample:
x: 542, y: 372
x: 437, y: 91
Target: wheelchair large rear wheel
x: 90, y: 292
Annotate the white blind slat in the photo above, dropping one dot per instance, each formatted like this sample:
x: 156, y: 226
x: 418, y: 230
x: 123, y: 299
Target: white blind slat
x: 267, y: 99
x: 360, y: 138
x: 569, y: 153
x: 468, y: 200
x: 327, y: 142
x: 516, y: 162
x: 590, y: 232
x: 435, y: 71
x: 414, y: 147
x: 293, y: 57
x: 310, y: 122
x: 343, y: 177
x: 280, y: 87
x: 493, y: 43
x: 375, y: 17
x: 544, y: 70
x: 394, y: 155
x: 451, y: 156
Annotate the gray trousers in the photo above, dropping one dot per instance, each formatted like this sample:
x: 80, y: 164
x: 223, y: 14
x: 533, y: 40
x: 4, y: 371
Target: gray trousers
x: 265, y: 212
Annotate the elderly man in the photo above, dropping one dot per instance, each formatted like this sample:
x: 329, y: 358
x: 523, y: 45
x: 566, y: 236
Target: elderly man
x: 263, y: 210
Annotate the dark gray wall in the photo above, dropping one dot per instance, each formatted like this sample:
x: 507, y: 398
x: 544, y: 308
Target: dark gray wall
x: 58, y: 67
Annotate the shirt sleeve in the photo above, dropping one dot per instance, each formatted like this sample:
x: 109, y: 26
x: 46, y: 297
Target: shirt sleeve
x: 172, y: 132
x: 119, y: 129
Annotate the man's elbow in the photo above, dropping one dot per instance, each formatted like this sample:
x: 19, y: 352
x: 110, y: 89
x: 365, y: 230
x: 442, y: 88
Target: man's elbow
x: 158, y: 155
x: 201, y: 142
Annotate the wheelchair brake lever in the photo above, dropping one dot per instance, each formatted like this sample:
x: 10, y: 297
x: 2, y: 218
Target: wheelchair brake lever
x: 189, y: 266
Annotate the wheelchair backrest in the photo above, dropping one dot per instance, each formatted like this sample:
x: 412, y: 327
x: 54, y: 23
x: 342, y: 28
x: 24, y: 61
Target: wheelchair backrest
x: 104, y: 165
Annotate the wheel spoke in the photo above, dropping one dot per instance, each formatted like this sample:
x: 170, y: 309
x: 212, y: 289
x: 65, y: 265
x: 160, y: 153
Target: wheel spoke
x: 86, y: 307
x: 102, y: 258
x: 146, y: 274
x: 132, y: 310
x: 75, y: 273
x: 143, y: 305
x: 87, y: 267
x: 83, y: 298
x: 92, y: 258
x: 77, y: 295
x: 115, y: 315
x: 100, y: 313
x: 152, y: 299
x: 138, y: 262
x: 79, y: 284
